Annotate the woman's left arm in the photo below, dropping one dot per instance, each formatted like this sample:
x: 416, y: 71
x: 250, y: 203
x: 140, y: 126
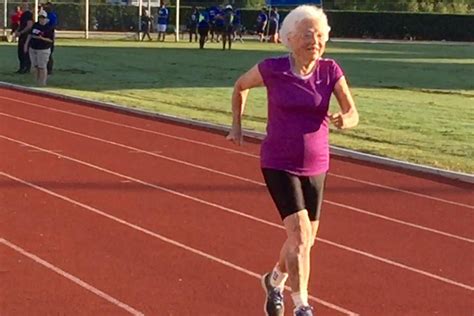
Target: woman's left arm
x: 348, y: 117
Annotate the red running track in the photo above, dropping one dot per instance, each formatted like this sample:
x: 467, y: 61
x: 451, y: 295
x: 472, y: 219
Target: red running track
x: 108, y: 213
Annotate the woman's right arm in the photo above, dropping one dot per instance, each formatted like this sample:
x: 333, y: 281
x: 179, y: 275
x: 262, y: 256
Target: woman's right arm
x: 250, y: 79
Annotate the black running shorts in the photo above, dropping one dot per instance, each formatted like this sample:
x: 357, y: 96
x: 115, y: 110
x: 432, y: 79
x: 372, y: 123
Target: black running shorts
x: 292, y: 193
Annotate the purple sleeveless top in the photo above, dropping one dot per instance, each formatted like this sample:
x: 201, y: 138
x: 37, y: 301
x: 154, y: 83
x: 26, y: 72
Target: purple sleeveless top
x: 297, y: 138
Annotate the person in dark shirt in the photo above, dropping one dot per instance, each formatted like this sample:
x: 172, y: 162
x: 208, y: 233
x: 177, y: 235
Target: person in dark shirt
x: 26, y: 22
x: 53, y: 22
x: 274, y: 25
x: 146, y: 21
x: 219, y: 25
x: 38, y: 44
x: 193, y: 21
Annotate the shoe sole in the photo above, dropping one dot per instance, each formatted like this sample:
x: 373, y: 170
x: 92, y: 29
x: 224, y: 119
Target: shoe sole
x: 262, y: 281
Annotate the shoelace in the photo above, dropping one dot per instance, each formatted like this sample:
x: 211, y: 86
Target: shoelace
x: 302, y: 311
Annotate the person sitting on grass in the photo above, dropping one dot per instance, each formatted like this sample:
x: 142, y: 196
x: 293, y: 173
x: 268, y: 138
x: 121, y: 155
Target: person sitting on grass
x: 38, y: 44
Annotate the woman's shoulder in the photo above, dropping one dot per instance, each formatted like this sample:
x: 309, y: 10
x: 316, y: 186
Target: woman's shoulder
x: 328, y: 62
x: 276, y: 63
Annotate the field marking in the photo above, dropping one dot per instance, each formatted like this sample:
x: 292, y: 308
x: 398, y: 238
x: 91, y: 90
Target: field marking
x: 229, y: 210
x: 238, y: 152
x: 163, y: 238
x: 69, y: 276
x: 138, y: 150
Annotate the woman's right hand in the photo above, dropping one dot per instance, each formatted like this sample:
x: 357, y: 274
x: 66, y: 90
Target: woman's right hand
x: 235, y: 135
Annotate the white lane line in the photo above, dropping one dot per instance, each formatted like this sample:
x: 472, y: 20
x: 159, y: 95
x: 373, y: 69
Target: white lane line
x: 421, y: 195
x: 229, y: 210
x: 403, y: 266
x: 401, y: 190
x: 394, y: 220
x: 163, y: 238
x: 137, y: 150
x: 71, y: 277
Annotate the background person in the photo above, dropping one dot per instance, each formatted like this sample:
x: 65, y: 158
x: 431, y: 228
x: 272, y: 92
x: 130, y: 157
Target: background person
x: 163, y: 20
x: 38, y: 45
x: 193, y: 21
x: 15, y: 22
x: 262, y: 19
x: 203, y: 29
x: 295, y: 152
x: 26, y: 23
x: 53, y: 23
x: 146, y: 26
x: 228, y: 29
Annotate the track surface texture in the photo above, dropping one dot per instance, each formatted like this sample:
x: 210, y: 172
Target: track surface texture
x: 108, y: 213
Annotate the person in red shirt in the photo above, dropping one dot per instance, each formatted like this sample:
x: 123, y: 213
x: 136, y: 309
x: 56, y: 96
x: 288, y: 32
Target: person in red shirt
x: 15, y: 21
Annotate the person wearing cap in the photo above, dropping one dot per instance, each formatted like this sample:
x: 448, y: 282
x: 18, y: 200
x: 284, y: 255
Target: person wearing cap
x: 228, y: 29
x: 38, y: 44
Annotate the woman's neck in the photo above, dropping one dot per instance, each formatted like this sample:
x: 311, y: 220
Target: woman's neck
x: 302, y: 66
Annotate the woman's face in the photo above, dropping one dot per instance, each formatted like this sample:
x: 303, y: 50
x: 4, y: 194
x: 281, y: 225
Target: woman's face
x: 308, y: 41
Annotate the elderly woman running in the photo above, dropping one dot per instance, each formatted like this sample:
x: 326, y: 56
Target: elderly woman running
x: 295, y: 152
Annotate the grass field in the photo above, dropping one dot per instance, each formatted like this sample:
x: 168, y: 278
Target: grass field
x: 416, y: 101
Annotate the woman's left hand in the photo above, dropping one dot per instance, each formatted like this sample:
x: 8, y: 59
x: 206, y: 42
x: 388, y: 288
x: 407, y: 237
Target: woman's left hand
x: 235, y: 135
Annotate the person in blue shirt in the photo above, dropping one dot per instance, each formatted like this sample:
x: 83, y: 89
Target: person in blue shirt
x: 163, y: 19
x: 274, y: 25
x: 237, y: 23
x: 219, y: 25
x: 212, y: 13
x: 53, y: 22
x: 203, y: 28
x: 262, y: 20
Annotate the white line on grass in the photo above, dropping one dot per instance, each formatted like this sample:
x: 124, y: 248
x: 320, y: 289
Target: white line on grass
x: 137, y: 150
x: 69, y: 276
x: 236, y: 152
x: 229, y: 210
x: 163, y: 238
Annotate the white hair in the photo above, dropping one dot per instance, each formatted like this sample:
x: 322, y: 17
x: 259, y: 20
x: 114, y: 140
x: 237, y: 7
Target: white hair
x: 299, y: 14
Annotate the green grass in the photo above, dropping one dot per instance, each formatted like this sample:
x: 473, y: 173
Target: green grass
x: 416, y: 101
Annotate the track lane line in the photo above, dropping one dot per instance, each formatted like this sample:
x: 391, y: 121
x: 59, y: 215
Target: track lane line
x: 162, y: 238
x: 71, y: 277
x: 229, y: 210
x: 421, y: 195
x: 189, y: 164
